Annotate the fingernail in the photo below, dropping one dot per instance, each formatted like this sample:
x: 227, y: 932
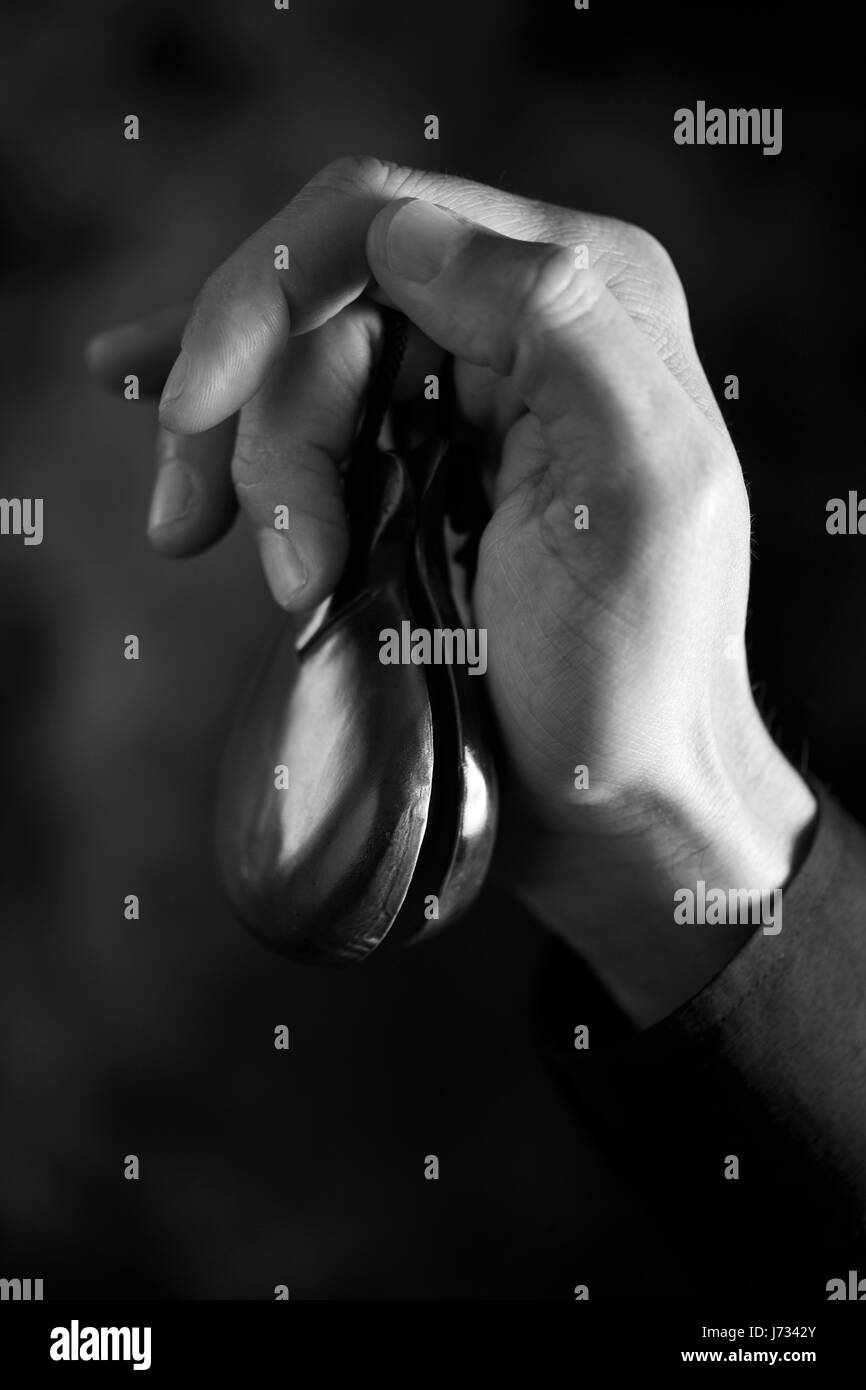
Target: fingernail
x: 175, y: 381
x: 172, y: 496
x: 284, y: 569
x: 423, y: 238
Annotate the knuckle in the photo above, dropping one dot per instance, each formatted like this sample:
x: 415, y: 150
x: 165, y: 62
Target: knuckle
x: 706, y: 492
x: 552, y: 290
x: 550, y: 279
x: 668, y: 284
x: 644, y: 250
x: 643, y: 275
x: 358, y: 173
x: 370, y: 176
x: 552, y: 293
x: 714, y: 513
x: 650, y: 251
x: 255, y: 460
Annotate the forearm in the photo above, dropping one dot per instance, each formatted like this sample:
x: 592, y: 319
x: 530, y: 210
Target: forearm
x: 766, y: 1064
x: 609, y: 892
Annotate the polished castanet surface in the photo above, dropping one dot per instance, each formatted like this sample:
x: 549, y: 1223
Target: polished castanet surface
x: 355, y: 794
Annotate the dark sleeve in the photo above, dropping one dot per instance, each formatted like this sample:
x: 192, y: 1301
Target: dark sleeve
x: 766, y: 1064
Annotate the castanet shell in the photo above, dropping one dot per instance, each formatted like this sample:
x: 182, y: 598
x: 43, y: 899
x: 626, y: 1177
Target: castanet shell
x: 390, y: 794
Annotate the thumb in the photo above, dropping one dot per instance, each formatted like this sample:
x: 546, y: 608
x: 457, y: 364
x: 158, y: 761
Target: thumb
x: 524, y: 309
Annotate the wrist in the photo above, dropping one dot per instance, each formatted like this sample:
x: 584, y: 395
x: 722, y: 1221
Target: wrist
x: 737, y: 817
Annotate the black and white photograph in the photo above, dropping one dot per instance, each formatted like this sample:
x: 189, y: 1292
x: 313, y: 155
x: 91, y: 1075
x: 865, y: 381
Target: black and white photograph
x: 432, y: 678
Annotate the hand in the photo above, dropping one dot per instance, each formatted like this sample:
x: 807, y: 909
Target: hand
x: 618, y: 647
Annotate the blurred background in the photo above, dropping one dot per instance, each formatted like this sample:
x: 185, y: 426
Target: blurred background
x: 156, y: 1037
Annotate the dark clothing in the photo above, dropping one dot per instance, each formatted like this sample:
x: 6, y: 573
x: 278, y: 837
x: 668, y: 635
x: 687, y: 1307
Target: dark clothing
x: 767, y: 1063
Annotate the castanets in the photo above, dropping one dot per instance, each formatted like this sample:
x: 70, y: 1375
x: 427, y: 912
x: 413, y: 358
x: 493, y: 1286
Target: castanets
x: 358, y: 796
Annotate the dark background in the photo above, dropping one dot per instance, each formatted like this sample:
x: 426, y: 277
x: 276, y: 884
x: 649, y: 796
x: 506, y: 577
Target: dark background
x: 156, y: 1037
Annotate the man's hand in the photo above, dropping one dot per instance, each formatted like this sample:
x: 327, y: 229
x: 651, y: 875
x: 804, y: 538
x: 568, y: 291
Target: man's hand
x: 618, y: 646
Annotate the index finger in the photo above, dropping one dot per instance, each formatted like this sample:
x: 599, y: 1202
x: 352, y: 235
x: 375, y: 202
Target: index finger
x: 307, y: 263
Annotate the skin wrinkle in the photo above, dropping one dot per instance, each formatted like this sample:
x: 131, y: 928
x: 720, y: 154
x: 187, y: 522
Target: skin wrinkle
x: 294, y: 284
x: 513, y: 658
x: 533, y: 620
x: 264, y: 455
x: 226, y: 291
x: 572, y: 655
x: 525, y: 220
x: 558, y: 546
x: 300, y: 466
